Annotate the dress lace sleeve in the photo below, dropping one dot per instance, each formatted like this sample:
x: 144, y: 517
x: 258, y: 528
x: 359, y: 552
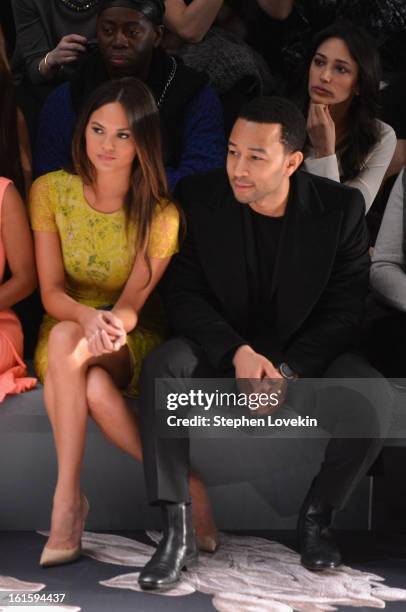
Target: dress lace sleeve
x: 41, y: 205
x: 163, y: 241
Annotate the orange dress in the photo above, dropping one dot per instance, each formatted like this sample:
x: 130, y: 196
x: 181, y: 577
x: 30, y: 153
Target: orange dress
x: 12, y: 368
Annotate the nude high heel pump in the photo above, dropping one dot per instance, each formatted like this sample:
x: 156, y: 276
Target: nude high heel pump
x: 60, y: 556
x: 207, y: 535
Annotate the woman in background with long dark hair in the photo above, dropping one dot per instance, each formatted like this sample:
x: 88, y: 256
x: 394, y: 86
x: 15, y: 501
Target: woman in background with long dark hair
x: 347, y: 142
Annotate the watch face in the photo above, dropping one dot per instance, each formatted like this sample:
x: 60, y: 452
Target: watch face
x: 286, y: 371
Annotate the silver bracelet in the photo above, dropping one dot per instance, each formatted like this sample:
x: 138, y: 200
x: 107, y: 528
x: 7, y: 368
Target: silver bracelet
x: 45, y: 59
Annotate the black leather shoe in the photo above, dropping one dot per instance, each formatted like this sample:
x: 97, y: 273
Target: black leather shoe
x: 177, y: 549
x: 317, y: 546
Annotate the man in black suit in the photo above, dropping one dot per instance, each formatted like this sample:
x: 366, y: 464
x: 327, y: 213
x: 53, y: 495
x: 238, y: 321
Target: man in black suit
x: 269, y: 285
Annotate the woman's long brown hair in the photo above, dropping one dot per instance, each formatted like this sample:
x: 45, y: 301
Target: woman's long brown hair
x: 10, y: 160
x: 148, y: 184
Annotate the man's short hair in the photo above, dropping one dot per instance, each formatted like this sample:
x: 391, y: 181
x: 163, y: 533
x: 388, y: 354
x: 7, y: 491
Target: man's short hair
x: 273, y: 109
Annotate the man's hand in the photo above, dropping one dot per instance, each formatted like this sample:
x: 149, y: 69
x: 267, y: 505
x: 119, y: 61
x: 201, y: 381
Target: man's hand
x: 321, y: 130
x: 257, y: 374
x: 249, y: 364
x: 69, y: 49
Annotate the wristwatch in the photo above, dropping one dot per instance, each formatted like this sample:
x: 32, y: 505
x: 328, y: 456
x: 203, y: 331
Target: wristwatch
x: 287, y: 372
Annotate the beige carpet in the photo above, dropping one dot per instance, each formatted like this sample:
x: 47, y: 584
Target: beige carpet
x: 246, y: 574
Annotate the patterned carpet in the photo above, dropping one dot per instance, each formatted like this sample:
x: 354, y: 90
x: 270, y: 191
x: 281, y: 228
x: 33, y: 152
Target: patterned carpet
x: 246, y: 574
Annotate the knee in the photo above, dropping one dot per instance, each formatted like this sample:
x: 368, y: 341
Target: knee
x: 368, y: 410
x: 63, y: 340
x: 372, y: 399
x: 96, y: 391
x: 64, y: 335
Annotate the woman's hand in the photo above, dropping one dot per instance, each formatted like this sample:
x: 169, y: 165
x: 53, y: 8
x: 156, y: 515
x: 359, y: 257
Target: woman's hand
x: 103, y: 330
x: 102, y: 343
x: 321, y: 130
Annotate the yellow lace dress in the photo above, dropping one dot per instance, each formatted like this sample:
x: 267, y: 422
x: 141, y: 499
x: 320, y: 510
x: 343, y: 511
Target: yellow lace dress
x: 98, y: 254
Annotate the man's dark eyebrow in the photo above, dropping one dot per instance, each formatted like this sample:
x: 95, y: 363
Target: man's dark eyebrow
x: 257, y: 149
x: 337, y: 59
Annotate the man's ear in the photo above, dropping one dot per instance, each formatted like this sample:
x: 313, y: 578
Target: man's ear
x: 159, y: 32
x: 294, y: 161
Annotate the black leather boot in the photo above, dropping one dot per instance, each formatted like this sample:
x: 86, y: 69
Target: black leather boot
x: 177, y: 549
x: 317, y: 546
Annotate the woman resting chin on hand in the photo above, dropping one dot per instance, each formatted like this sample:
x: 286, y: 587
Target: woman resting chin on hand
x: 347, y: 142
x: 103, y: 238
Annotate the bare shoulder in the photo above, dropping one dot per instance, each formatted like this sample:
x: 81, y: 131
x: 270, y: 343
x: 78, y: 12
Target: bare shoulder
x: 13, y: 211
x: 11, y: 198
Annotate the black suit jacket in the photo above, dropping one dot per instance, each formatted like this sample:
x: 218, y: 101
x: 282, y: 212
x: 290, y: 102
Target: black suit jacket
x: 320, y: 281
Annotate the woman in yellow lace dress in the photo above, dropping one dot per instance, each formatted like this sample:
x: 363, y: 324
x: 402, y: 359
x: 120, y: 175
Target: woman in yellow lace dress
x: 98, y: 256
x: 103, y: 238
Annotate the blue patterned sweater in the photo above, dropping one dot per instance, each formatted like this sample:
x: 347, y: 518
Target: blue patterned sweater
x: 203, y: 142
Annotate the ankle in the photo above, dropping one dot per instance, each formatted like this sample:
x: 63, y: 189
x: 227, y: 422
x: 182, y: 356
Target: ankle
x: 67, y: 504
